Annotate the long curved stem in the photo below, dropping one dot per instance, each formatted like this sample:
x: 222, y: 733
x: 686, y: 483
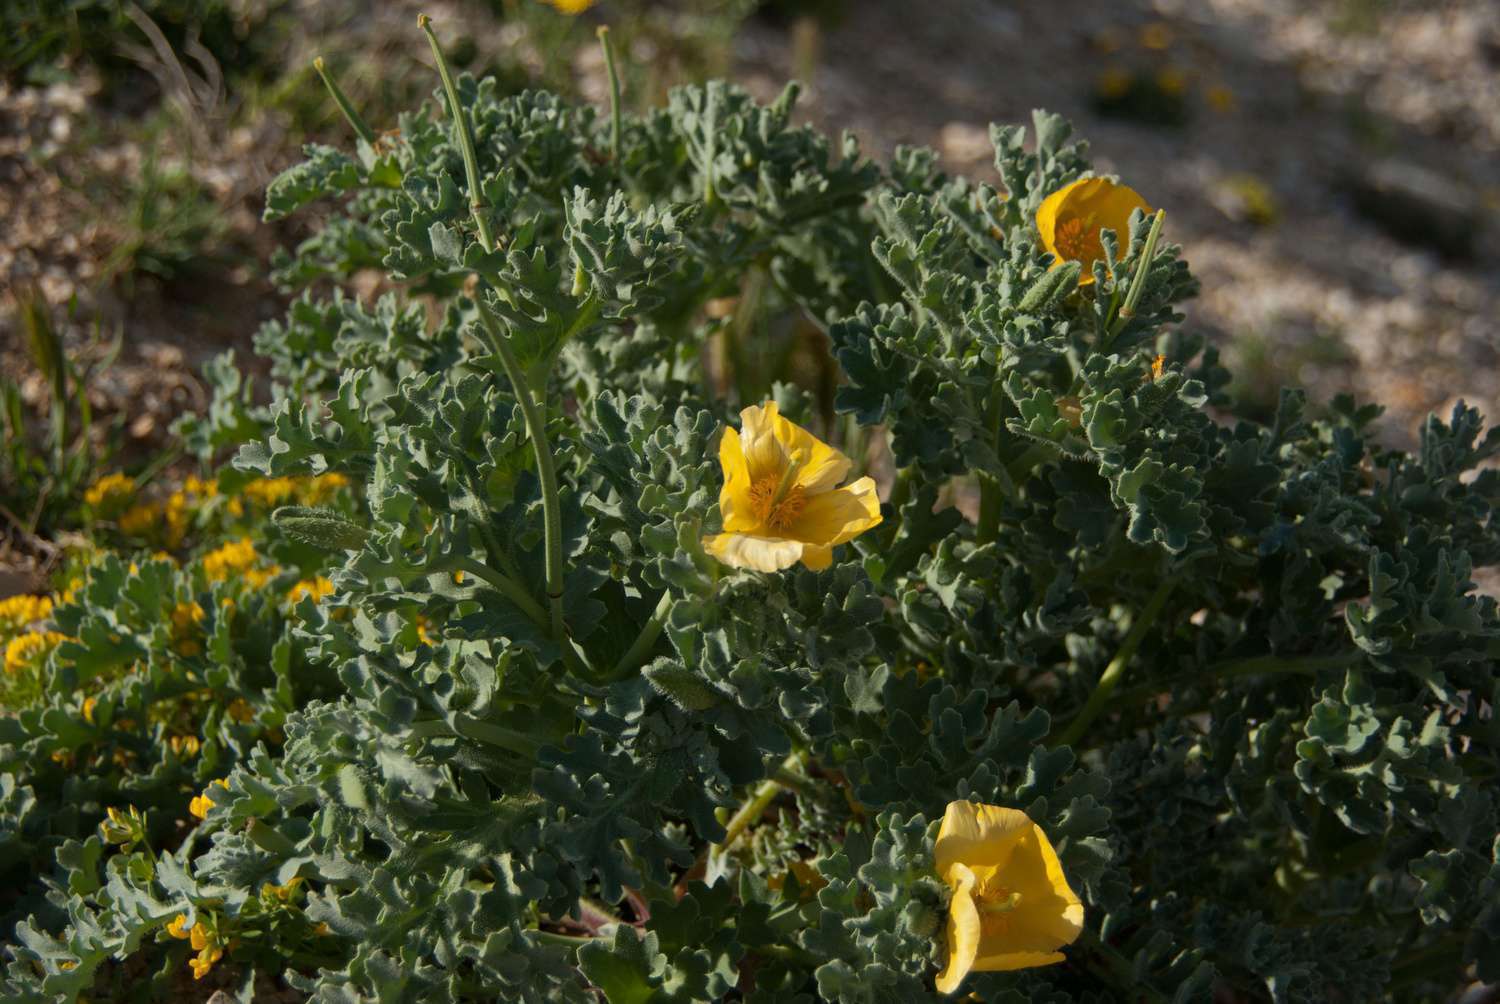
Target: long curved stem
x: 465, y: 137
x: 1115, y: 671
x: 614, y: 93
x: 644, y: 641
x: 507, y: 587
x: 546, y: 469
x: 357, y: 123
x: 531, y: 410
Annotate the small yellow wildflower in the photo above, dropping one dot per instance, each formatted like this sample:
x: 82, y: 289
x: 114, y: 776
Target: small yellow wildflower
x: 1158, y: 366
x: 270, y: 492
x: 1156, y: 35
x: 233, y: 558
x: 109, y: 490
x: 66, y: 596
x: 194, y: 485
x: 1171, y: 81
x: 186, y: 618
x: 572, y: 8
x: 17, y: 612
x: 315, y: 587
x: 89, y: 703
x: 1012, y: 907
x: 124, y: 828
x: 779, y: 501
x: 203, y: 939
x: 323, y: 487
x: 28, y: 650
x: 257, y: 577
x: 282, y: 893
x: 140, y: 519
x: 1220, y: 98
x: 240, y: 710
x: 202, y: 804
x: 1114, y: 83
x: 423, y: 635
x: 1070, y: 219
x: 184, y: 747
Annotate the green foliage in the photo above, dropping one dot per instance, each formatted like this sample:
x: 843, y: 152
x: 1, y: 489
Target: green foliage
x: 670, y: 780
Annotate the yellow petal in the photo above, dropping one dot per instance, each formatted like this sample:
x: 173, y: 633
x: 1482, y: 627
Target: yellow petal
x: 963, y: 930
x: 978, y: 835
x: 734, y: 497
x: 765, y: 455
x: 816, y: 558
x: 823, y: 467
x: 835, y: 517
x: 763, y: 554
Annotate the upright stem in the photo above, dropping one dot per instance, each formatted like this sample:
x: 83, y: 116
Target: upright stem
x: 536, y: 427
x: 614, y: 93
x: 465, y: 137
x: 536, y: 419
x: 1115, y: 671
x: 507, y: 587
x: 753, y: 809
x: 644, y: 641
x: 360, y: 127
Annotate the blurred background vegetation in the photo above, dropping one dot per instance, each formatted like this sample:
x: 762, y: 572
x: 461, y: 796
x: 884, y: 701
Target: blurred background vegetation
x: 1332, y: 166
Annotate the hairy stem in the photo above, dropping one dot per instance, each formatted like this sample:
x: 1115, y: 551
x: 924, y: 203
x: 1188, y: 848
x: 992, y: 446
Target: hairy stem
x: 641, y: 647
x: 507, y: 587
x: 614, y: 93
x: 546, y: 469
x: 465, y: 137
x: 358, y: 124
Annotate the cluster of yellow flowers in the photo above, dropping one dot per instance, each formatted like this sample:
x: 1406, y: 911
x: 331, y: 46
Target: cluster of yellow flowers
x: 205, y: 940
x: 202, y: 804
x: 18, y: 612
x: 186, y: 618
x: 168, y: 519
x: 237, y: 558
x: 109, y: 491
x: 317, y: 588
x: 26, y: 651
x: 273, y: 492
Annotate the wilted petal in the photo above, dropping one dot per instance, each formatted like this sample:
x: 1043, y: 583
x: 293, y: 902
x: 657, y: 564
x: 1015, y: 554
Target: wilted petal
x: 763, y: 554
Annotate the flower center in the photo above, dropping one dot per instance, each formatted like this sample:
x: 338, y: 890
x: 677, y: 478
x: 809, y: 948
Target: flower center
x: 1077, y: 239
x: 776, y: 504
x: 995, y: 910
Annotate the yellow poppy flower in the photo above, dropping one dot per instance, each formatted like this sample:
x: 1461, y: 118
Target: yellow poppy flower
x: 1069, y: 220
x: 779, y: 501
x: 1011, y: 907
